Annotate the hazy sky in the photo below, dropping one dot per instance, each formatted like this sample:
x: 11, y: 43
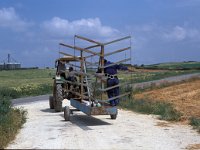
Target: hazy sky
x: 161, y: 30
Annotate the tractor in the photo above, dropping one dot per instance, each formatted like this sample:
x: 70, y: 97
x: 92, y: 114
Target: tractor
x: 61, y: 83
x: 85, y: 86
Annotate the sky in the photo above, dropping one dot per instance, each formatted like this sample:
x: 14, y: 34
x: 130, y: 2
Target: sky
x: 161, y: 30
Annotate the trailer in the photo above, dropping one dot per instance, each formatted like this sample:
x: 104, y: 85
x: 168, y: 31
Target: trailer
x: 87, y: 92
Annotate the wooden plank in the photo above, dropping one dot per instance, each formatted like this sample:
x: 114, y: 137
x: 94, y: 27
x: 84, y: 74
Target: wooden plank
x: 73, y: 65
x: 82, y: 73
x: 89, y: 40
x: 127, y: 37
x: 122, y: 95
x: 93, y: 46
x: 109, y: 88
x: 101, y: 62
x: 69, y: 55
x: 124, y: 60
x: 74, y: 83
x: 80, y: 49
x: 81, y: 77
x: 76, y: 58
x: 92, y: 75
x: 78, y: 94
x: 98, y: 75
x: 117, y: 51
x: 91, y: 55
x: 66, y: 45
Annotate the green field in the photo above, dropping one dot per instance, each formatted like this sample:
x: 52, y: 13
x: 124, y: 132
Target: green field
x: 175, y: 65
x: 21, y: 83
x: 138, y: 77
x: 16, y: 78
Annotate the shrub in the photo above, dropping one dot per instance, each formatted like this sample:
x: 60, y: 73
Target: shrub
x: 5, y: 106
x: 8, y: 92
x: 11, y: 120
x: 165, y: 110
x: 195, y: 122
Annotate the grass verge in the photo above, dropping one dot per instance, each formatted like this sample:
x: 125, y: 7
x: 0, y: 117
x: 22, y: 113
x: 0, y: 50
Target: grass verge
x: 11, y: 120
x: 163, y: 109
x: 195, y: 122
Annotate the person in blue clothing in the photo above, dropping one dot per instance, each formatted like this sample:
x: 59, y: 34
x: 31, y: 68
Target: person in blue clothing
x: 112, y: 80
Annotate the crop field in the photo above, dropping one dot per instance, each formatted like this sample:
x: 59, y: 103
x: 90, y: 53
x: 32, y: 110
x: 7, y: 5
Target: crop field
x: 20, y: 83
x: 144, y: 75
x: 16, y: 78
x: 175, y: 65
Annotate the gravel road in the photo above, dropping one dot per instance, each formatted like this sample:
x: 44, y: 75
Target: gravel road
x: 46, y: 129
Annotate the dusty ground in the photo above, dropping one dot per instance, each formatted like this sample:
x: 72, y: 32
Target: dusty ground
x: 48, y: 130
x: 185, y: 97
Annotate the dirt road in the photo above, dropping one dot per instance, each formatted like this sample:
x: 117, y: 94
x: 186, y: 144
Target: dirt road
x: 45, y: 129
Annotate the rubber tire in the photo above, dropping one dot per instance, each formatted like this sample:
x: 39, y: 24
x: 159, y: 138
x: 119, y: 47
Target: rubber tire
x: 67, y: 113
x: 51, y: 102
x: 113, y: 116
x: 59, y: 98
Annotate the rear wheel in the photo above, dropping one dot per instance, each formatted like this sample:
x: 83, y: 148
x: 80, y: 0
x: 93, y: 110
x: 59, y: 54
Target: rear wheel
x: 59, y: 98
x: 113, y: 116
x: 51, y: 102
x: 67, y: 113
